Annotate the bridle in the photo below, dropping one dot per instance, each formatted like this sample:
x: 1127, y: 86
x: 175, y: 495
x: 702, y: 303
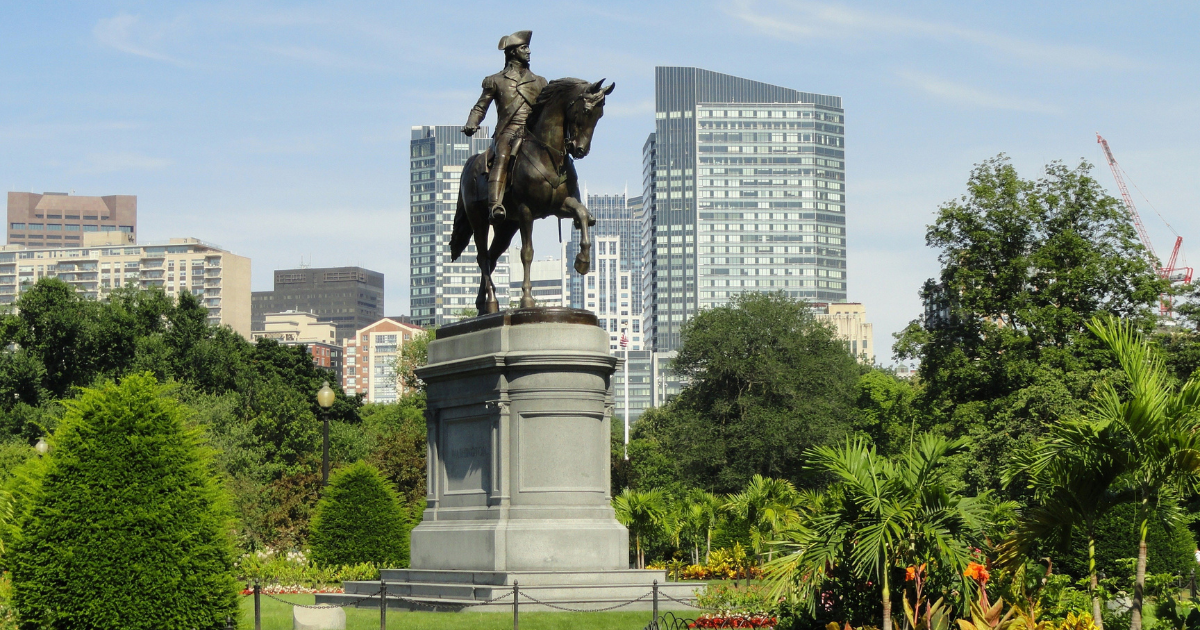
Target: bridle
x: 569, y: 131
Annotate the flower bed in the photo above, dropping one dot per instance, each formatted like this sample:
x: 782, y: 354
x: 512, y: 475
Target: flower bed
x: 721, y: 620
x: 292, y: 589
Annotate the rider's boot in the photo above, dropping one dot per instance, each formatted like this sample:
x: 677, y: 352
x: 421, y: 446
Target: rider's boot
x: 496, y: 180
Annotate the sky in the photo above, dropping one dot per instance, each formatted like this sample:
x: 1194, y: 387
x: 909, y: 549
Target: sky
x: 280, y: 131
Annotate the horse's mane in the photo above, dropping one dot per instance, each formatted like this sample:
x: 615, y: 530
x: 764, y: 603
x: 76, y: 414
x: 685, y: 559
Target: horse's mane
x: 556, y: 90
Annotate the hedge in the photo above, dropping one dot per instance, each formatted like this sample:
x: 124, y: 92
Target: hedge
x: 359, y: 519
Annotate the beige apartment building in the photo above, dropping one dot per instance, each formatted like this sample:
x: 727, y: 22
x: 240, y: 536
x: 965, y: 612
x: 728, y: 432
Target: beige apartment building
x: 369, y: 359
x: 108, y: 260
x: 295, y: 328
x: 850, y: 321
x: 61, y: 220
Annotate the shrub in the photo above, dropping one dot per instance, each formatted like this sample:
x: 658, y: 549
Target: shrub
x: 1168, y: 549
x: 359, y: 519
x: 127, y: 527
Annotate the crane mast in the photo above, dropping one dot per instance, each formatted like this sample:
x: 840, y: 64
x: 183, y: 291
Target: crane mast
x: 1168, y: 271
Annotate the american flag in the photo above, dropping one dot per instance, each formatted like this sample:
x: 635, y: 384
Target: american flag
x: 624, y: 340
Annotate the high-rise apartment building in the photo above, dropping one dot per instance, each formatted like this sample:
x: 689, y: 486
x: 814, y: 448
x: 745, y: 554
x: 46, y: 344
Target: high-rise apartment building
x: 347, y: 297
x: 441, y: 290
x: 744, y: 191
x: 61, y: 220
x: 616, y: 217
x: 548, y: 279
x: 107, y: 261
x: 370, y: 357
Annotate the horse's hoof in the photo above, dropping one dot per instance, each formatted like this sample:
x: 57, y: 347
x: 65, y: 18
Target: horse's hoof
x: 582, y: 265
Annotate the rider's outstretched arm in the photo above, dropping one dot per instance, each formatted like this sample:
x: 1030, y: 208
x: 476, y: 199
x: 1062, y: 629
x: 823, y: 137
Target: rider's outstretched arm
x: 479, y: 111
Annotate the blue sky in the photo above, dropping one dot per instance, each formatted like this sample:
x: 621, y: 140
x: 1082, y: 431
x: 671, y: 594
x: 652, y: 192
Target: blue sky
x: 280, y: 130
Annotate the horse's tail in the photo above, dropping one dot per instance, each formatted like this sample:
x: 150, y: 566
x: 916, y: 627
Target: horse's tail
x: 461, y: 236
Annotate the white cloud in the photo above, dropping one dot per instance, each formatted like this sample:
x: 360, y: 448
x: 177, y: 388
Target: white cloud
x: 972, y: 96
x: 123, y: 161
x: 126, y: 34
x: 803, y: 19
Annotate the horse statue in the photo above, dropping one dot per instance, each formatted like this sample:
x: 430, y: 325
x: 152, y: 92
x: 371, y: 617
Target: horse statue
x: 542, y: 184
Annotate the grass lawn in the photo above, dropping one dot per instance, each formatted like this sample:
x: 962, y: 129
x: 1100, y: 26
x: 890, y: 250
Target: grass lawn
x: 278, y: 616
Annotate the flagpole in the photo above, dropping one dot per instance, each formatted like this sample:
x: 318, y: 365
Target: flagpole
x: 625, y: 343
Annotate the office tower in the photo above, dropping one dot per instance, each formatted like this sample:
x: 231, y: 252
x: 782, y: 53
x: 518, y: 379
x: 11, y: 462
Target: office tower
x: 745, y: 191
x: 849, y: 319
x: 441, y: 291
x: 107, y: 260
x: 348, y: 297
x: 60, y: 220
x: 369, y: 358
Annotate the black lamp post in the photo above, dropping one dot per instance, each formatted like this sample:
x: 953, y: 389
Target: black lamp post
x: 325, y: 397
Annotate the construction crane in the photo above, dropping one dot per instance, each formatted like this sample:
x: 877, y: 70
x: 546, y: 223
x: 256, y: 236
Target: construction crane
x: 1169, y: 271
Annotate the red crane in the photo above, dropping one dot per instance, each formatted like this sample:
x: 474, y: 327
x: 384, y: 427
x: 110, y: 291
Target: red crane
x: 1169, y: 271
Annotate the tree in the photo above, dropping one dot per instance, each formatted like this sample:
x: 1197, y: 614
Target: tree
x: 642, y: 512
x: 359, y: 519
x: 704, y: 512
x: 878, y: 513
x: 128, y: 526
x: 413, y: 354
x: 1004, y: 350
x: 766, y: 380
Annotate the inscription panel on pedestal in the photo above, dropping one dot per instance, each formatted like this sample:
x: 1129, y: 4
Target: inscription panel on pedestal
x: 467, y: 455
x: 562, y: 453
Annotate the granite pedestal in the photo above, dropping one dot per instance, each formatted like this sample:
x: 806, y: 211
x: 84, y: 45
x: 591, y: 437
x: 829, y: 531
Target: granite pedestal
x: 518, y: 468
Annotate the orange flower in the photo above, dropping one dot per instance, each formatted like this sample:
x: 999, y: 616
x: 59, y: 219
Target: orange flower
x: 910, y: 574
x: 977, y: 572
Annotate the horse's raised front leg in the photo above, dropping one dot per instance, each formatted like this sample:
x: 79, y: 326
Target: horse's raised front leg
x: 583, y: 219
x: 485, y: 301
x: 526, y: 219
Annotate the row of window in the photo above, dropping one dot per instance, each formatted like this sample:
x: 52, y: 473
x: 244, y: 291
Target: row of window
x: 59, y: 227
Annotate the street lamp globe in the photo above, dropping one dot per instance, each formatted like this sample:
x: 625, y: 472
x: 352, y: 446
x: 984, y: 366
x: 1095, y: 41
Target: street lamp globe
x: 42, y: 447
x: 325, y: 396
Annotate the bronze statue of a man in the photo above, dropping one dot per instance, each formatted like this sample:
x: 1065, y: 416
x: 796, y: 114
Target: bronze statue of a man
x: 515, y: 89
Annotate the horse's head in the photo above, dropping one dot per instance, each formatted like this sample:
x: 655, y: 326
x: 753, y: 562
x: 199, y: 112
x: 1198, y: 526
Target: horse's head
x: 581, y: 117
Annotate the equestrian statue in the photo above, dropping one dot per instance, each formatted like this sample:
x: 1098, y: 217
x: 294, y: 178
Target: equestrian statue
x: 528, y: 173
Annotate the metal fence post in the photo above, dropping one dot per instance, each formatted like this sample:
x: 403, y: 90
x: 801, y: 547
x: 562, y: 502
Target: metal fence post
x: 257, y: 607
x: 655, y: 619
x: 1192, y: 583
x: 382, y: 603
x: 516, y: 610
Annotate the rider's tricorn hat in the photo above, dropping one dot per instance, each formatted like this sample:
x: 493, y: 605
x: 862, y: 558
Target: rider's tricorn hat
x: 520, y: 38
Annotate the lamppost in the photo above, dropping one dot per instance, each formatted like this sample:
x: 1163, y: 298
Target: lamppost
x: 325, y: 397
x: 42, y: 447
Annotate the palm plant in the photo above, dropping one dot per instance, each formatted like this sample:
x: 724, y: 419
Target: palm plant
x: 1071, y: 473
x: 767, y: 506
x: 642, y: 511
x: 876, y: 513
x: 704, y: 514
x: 1157, y: 433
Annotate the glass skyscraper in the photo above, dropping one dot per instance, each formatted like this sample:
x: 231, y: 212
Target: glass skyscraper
x: 442, y: 290
x: 744, y: 190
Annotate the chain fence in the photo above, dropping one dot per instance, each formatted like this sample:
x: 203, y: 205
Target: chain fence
x: 515, y: 597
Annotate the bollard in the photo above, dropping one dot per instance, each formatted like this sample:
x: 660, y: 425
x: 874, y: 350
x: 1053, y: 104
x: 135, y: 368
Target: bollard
x: 655, y: 619
x: 257, y: 608
x: 516, y: 611
x: 382, y: 603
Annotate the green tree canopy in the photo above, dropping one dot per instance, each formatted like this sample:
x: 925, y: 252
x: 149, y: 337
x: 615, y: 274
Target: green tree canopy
x: 1024, y: 265
x: 128, y: 527
x: 766, y: 381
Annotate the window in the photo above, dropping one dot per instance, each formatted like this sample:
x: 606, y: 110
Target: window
x: 72, y: 228
x: 18, y: 226
x: 91, y: 228
x: 36, y: 226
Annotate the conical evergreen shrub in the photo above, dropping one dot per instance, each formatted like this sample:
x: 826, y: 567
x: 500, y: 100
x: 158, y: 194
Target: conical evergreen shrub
x: 359, y: 519
x: 128, y: 527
